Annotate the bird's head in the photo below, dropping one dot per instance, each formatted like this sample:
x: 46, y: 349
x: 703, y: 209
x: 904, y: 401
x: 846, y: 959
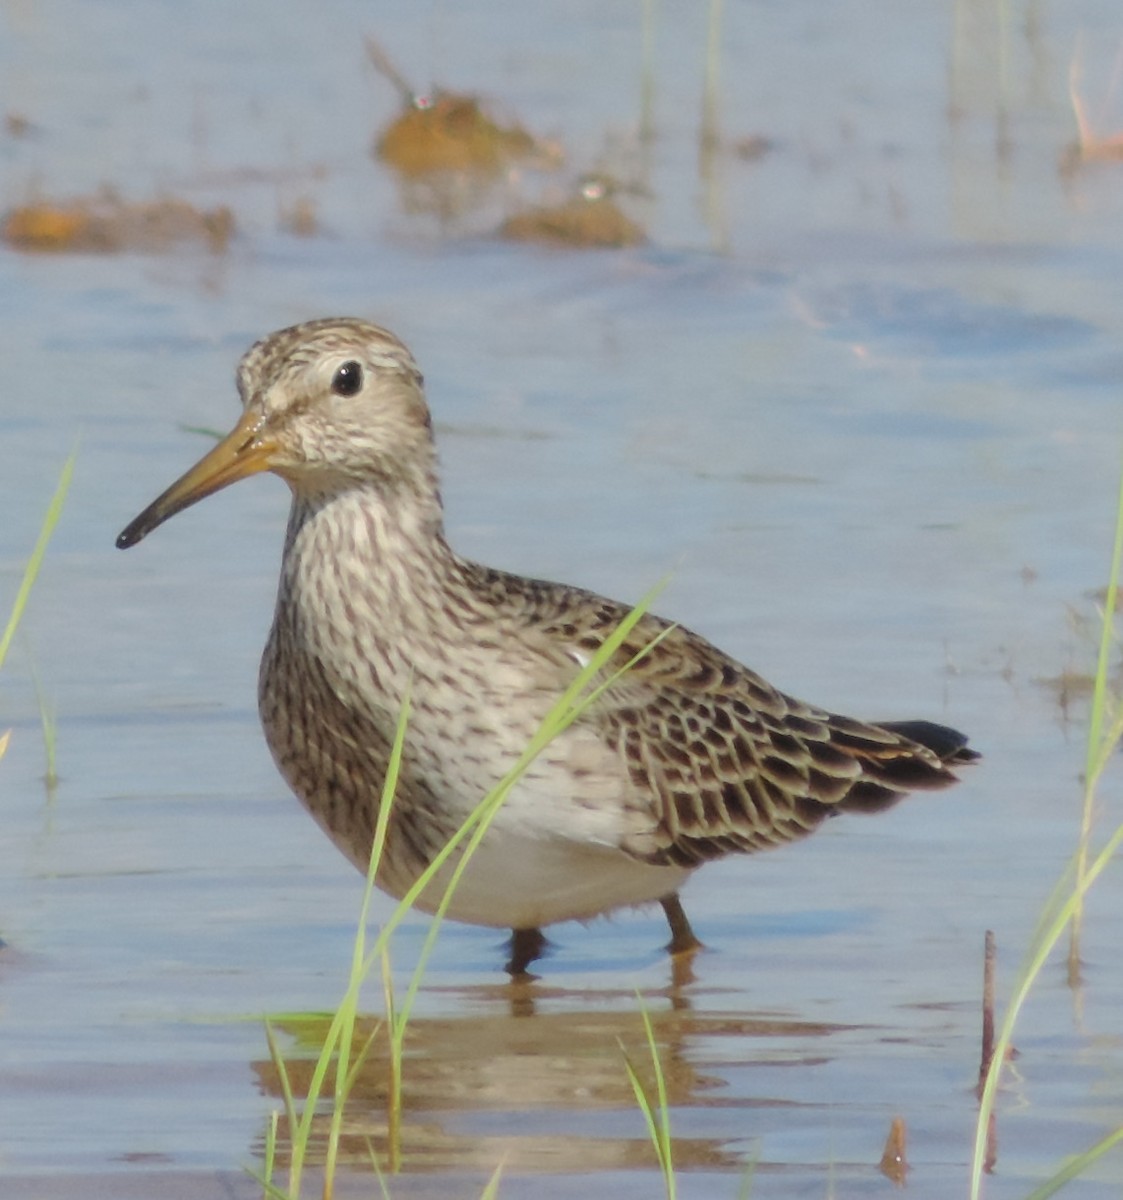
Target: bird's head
x: 328, y: 405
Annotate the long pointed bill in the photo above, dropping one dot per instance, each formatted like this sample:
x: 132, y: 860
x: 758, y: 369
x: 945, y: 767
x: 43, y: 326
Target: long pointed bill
x: 245, y: 450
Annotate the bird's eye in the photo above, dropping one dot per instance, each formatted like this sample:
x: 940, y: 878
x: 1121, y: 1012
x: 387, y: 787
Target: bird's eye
x: 348, y: 379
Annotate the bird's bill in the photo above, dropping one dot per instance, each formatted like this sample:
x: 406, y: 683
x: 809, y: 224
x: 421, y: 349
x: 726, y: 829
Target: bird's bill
x: 245, y: 450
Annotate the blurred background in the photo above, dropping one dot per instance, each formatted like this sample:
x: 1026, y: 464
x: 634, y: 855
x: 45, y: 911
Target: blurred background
x: 815, y: 310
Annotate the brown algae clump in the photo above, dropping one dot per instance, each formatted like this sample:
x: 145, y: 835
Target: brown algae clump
x: 105, y: 224
x: 590, y: 218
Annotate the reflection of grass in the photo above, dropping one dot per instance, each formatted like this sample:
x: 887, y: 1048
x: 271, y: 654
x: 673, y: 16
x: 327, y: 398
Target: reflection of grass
x: 339, y: 1042
x: 30, y: 573
x: 1064, y: 907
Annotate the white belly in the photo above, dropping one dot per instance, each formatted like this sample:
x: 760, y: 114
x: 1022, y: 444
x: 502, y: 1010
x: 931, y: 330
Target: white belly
x: 524, y: 883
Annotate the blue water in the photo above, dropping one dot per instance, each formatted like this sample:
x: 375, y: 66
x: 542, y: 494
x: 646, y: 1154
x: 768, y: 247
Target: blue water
x: 859, y: 399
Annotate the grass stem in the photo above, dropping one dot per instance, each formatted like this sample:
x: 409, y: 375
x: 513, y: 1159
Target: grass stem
x: 31, y: 571
x: 1099, y: 746
x: 1064, y: 906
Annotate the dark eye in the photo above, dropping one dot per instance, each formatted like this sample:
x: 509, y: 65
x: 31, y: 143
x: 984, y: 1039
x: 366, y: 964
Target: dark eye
x: 348, y: 380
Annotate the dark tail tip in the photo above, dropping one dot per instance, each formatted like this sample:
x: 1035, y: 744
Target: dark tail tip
x: 949, y: 745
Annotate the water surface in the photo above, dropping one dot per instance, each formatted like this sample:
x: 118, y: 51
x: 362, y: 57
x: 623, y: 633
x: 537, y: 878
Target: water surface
x: 858, y: 398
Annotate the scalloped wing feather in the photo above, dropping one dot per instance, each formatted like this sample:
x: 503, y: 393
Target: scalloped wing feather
x: 732, y: 764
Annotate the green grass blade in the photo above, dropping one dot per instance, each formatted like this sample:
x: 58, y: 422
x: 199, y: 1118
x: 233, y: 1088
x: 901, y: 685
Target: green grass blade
x: 1076, y: 1166
x: 1065, y: 902
x: 31, y: 571
x: 265, y: 1178
x: 588, y: 685
x: 643, y: 1101
x: 1099, y: 691
x: 492, y: 1189
x: 48, y: 719
x: 397, y: 1030
x: 297, y: 1144
x: 1099, y: 746
x: 660, y: 1081
x: 561, y: 715
x: 340, y: 1034
x: 360, y: 1060
x: 384, y: 1191
x: 271, y: 1144
x: 385, y: 806
x: 270, y: 1191
x: 657, y: 1113
x: 1044, y: 944
x: 745, y: 1190
x: 663, y: 1110
x: 584, y: 690
x: 283, y: 1076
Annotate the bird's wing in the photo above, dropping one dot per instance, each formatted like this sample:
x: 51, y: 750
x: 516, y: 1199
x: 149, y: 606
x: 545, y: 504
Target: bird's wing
x: 731, y: 763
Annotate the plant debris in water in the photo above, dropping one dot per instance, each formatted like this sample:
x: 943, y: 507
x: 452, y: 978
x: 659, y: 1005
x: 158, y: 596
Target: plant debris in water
x: 1089, y: 146
x: 447, y: 131
x: 105, y: 223
x: 752, y: 147
x: 894, y: 1163
x: 16, y: 125
x: 443, y: 131
x: 589, y: 218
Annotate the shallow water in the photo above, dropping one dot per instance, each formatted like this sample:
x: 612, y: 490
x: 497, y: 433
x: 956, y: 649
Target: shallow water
x: 858, y: 398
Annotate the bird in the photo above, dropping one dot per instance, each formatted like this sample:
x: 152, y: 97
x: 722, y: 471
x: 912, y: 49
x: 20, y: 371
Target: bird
x: 685, y: 757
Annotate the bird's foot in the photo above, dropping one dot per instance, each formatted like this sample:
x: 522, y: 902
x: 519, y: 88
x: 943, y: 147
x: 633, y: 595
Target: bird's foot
x: 683, y: 941
x: 527, y: 945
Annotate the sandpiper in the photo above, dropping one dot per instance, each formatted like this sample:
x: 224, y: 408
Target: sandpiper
x: 689, y: 757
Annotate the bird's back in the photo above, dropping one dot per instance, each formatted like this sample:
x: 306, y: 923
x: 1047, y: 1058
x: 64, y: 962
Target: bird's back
x: 726, y: 761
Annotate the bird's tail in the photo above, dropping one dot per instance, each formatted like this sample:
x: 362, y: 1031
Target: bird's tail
x: 947, y: 744
x: 917, y: 756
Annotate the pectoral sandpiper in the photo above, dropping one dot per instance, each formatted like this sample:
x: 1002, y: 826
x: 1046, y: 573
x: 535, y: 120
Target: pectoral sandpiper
x: 690, y: 756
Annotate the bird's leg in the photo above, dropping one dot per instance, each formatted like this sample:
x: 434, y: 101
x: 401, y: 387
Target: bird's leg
x: 526, y: 946
x: 682, y: 940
